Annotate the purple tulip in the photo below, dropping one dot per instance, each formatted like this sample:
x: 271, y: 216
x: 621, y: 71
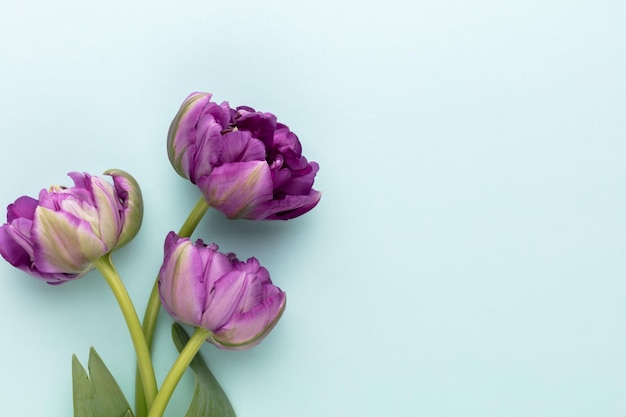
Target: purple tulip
x: 57, y: 236
x: 236, y: 301
x: 246, y: 164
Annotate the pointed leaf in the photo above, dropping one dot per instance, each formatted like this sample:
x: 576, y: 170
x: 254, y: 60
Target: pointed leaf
x: 209, y: 399
x: 97, y: 394
x: 82, y: 390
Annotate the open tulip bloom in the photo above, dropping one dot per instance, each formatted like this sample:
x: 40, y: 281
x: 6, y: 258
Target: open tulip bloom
x: 58, y: 236
x: 246, y: 165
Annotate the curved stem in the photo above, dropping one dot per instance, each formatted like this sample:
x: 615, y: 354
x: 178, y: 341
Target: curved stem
x: 194, y: 218
x: 108, y: 271
x: 154, y: 303
x: 194, y: 344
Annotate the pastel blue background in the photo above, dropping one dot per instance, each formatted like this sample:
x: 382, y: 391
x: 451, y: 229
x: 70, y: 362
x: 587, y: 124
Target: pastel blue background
x: 467, y: 257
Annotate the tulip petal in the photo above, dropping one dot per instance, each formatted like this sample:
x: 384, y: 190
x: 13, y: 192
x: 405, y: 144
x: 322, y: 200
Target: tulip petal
x: 216, y: 265
x: 287, y: 143
x: 82, y: 187
x: 182, y: 127
x: 64, y: 243
x: 108, y: 225
x: 15, y: 250
x: 236, y: 188
x: 20, y: 231
x: 206, y: 155
x: 24, y: 207
x: 289, y: 207
x: 260, y: 280
x: 180, y: 280
x: 247, y: 329
x: 260, y: 125
x: 299, y: 183
x: 225, y: 298
x: 131, y: 199
x: 240, y: 146
x: 73, y: 206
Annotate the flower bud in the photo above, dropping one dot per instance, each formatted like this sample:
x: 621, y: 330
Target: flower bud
x: 57, y: 236
x: 236, y: 301
x: 246, y: 164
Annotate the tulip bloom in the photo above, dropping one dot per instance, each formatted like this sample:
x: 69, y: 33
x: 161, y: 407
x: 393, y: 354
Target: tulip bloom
x: 246, y: 164
x: 236, y: 301
x: 57, y: 236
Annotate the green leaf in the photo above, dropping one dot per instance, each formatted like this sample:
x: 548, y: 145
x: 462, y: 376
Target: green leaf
x: 209, y: 399
x: 97, y: 394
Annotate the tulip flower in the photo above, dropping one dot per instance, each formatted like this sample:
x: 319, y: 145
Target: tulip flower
x: 246, y: 164
x: 58, y: 236
x: 235, y: 301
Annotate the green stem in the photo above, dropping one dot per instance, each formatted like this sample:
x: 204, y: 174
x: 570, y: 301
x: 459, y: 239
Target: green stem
x: 194, y: 218
x: 154, y: 303
x: 146, y: 371
x: 192, y: 347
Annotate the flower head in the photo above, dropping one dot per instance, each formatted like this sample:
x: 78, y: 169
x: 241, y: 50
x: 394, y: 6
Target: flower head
x: 57, y: 236
x: 246, y: 164
x: 236, y: 301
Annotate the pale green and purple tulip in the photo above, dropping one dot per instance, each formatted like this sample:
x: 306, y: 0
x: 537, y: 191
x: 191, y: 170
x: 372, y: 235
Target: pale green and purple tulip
x: 58, y: 236
x: 236, y: 301
x: 246, y: 164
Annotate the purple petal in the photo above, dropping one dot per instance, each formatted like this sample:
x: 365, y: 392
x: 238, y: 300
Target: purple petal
x: 288, y: 144
x: 289, y: 207
x: 82, y: 187
x: 236, y: 188
x: 24, y: 207
x: 182, y: 132
x: 261, y: 125
x: 240, y: 146
x: 252, y: 266
x: 299, y: 183
x: 180, y: 281
x: 15, y: 251
x: 20, y: 257
x: 280, y: 177
x: 247, y: 329
x: 216, y: 265
x: 225, y: 299
x: 20, y: 231
x: 208, y: 142
x: 259, y: 279
x: 256, y: 294
x: 205, y: 157
x: 261, y: 275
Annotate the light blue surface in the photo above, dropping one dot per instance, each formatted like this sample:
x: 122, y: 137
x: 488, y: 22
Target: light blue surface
x: 467, y: 257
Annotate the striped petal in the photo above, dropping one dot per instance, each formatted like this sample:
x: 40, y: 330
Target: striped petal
x: 237, y: 188
x: 63, y: 242
x: 131, y: 200
x: 225, y: 299
x: 180, y: 281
